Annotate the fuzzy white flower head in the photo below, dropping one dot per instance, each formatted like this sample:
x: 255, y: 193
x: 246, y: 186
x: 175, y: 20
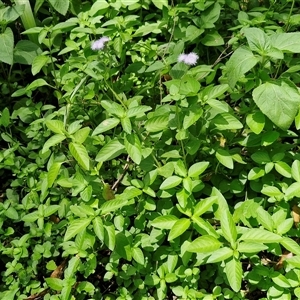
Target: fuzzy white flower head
x: 99, y: 44
x: 189, y: 59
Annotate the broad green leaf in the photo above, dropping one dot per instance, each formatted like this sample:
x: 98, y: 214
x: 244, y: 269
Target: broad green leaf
x: 133, y: 147
x: 164, y: 222
x: 204, y: 225
x: 157, y: 123
x: 197, y: 168
x: 25, y: 52
x: 110, y: 236
x: 224, y: 158
x: 240, y: 62
x: 112, y: 206
x: 98, y: 228
x: 191, y: 116
x: 86, y: 194
x: 292, y: 191
x: 204, y: 244
x: 79, y: 152
x: 256, y: 122
x: 81, y: 135
x: 210, y: 15
x: 38, y: 63
x: 138, y: 255
x: 50, y: 210
x: 256, y: 173
x: 296, y: 170
x: 234, y: 273
x: 257, y: 39
x: 56, y: 126
x: 61, y: 6
x: 261, y: 157
x: 157, y: 65
x: 280, y: 280
x: 55, y: 283
x: 287, y: 42
x: 31, y: 217
x: 126, y: 125
x: 35, y: 84
x: 111, y: 150
x: 251, y: 247
x: 203, y: 205
x: 279, y: 101
x: 52, y: 141
x: 7, y: 46
x: 222, y: 202
x: 170, y: 182
x: 160, y: 3
x: 260, y: 236
x: 283, y: 168
x: 294, y: 261
x: 212, y: 39
x: 137, y: 111
x: 11, y: 213
x: 226, y: 121
x: 53, y: 172
x: 106, y: 125
x: 5, y: 117
x: 220, y: 255
x: 264, y: 218
x: 285, y: 226
x: 228, y: 227
x: 290, y: 245
x: 75, y: 227
x: 179, y: 228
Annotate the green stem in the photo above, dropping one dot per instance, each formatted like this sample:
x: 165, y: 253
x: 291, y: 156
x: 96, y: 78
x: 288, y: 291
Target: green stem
x: 290, y: 14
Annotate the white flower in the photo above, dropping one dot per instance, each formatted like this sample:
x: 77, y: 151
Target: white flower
x: 189, y: 59
x: 99, y: 44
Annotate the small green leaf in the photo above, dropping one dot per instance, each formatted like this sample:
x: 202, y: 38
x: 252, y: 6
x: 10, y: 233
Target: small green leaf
x: 133, y: 147
x: 156, y: 124
x: 203, y: 205
x: 256, y: 173
x: 240, y: 62
x: 226, y: 121
x: 204, y: 244
x: 224, y: 158
x: 290, y: 245
x: 52, y: 141
x: 55, y: 283
x: 79, y: 152
x: 251, y: 247
x: 234, y: 273
x: 198, y: 168
x: 112, y: 205
x: 265, y: 219
x: 81, y: 135
x: 220, y: 255
x: 170, y: 182
x: 179, y: 228
x: 98, y: 228
x: 228, y: 227
x: 260, y: 236
x: 75, y: 227
x: 164, y: 222
x: 106, y: 125
x: 7, y: 46
x: 111, y: 150
x: 53, y: 172
x: 256, y: 122
x: 283, y: 168
x: 138, y: 255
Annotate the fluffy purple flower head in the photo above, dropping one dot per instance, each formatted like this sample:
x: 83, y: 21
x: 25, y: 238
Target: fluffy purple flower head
x: 99, y: 44
x: 189, y: 59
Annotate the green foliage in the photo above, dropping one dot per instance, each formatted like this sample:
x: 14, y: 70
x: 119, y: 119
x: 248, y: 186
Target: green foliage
x: 131, y: 173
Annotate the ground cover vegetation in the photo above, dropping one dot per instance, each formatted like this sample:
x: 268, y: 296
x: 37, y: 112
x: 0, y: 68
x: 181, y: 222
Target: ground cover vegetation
x: 149, y: 149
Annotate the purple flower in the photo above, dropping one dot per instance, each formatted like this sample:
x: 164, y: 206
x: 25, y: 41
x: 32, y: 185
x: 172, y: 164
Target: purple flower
x: 189, y: 59
x: 99, y: 44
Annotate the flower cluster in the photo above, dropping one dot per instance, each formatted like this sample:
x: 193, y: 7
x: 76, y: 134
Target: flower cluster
x: 189, y: 59
x: 99, y: 44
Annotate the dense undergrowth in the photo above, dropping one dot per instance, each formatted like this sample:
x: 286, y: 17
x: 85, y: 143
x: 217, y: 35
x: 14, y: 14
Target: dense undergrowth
x: 150, y: 149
